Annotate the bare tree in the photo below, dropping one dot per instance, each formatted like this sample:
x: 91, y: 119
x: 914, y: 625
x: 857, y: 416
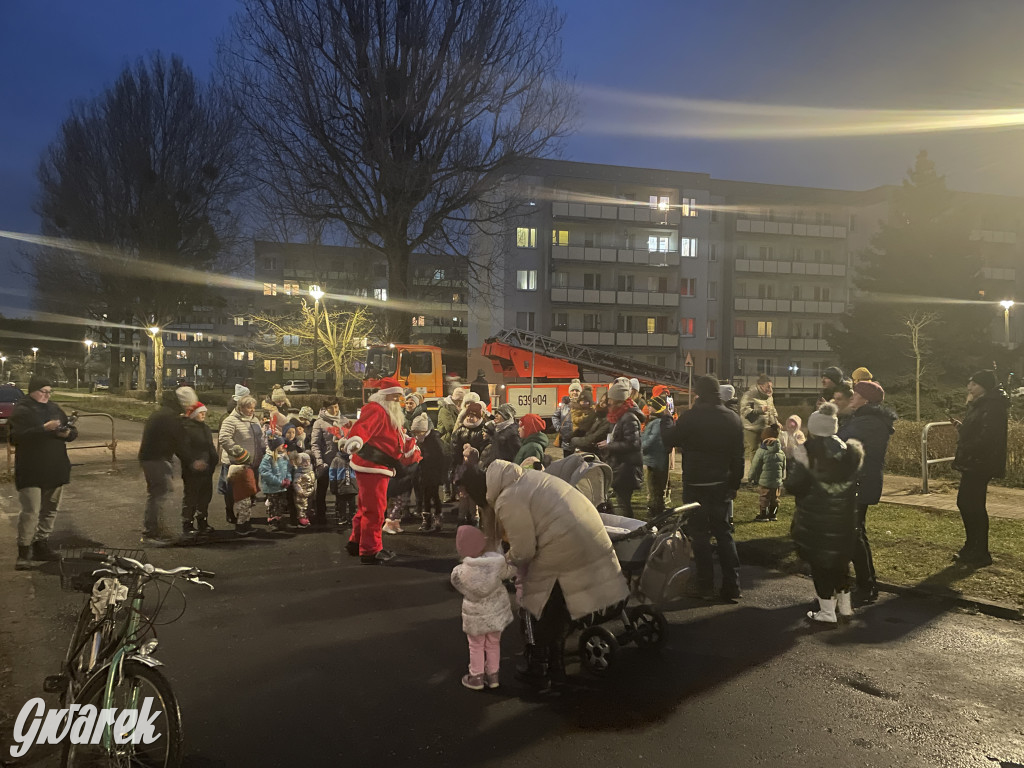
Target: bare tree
x: 140, y: 177
x: 340, y: 335
x: 399, y: 118
x: 915, y: 324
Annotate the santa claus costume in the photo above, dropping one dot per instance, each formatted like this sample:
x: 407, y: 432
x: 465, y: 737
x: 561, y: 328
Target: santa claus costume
x: 379, y: 448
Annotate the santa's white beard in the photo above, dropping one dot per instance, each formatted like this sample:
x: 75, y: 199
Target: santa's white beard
x: 395, y: 409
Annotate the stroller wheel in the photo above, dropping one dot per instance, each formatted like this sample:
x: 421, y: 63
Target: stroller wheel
x: 597, y: 650
x: 650, y: 629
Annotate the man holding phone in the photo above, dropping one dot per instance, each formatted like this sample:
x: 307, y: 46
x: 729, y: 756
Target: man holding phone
x: 40, y: 431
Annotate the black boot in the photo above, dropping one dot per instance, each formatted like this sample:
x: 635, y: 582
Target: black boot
x: 534, y: 670
x: 556, y: 666
x: 41, y: 551
x: 24, y: 561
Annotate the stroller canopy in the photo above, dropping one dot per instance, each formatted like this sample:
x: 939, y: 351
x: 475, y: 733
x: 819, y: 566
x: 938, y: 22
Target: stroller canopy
x: 586, y: 473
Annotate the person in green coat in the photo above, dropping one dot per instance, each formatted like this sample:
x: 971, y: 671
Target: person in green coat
x: 535, y: 442
x: 768, y: 471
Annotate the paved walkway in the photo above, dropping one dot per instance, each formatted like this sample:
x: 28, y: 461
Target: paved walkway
x: 1002, y: 502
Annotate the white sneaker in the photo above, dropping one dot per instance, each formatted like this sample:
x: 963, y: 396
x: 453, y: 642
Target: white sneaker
x: 826, y: 613
x: 391, y: 526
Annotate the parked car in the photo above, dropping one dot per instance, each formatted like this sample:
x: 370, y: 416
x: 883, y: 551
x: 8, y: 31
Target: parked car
x: 8, y: 397
x: 102, y: 384
x: 296, y: 387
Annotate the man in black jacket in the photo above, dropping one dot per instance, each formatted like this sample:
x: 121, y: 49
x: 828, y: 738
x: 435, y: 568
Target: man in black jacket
x: 870, y: 423
x: 480, y: 386
x: 980, y: 456
x: 710, y: 437
x: 40, y: 431
x: 163, y: 438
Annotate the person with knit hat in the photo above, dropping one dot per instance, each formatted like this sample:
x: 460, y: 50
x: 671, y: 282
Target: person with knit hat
x: 727, y: 394
x: 822, y: 476
x: 767, y: 471
x: 41, y: 432
x: 469, y: 428
x: 486, y: 611
x: 711, y: 439
x: 860, y: 374
x: 623, y: 447
x: 240, y: 428
x: 240, y: 481
x: 654, y: 453
x: 380, y: 449
x: 561, y: 420
x: 980, y: 456
x: 433, y: 473
x: 275, y: 479
x: 533, y: 443
x: 323, y: 447
x: 831, y: 379
x: 198, y: 462
x: 504, y: 441
x: 413, y: 404
x: 757, y: 411
x: 871, y: 423
x: 162, y: 439
x: 448, y: 414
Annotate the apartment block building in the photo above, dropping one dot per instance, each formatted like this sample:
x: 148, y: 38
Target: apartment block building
x: 655, y: 265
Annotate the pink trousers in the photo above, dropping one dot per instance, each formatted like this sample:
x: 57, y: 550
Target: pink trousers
x: 484, y: 653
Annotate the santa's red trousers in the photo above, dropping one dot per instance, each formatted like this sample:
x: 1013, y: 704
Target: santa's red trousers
x: 373, y: 503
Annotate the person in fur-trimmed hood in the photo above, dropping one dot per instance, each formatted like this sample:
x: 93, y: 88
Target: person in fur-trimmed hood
x: 486, y: 610
x: 379, y: 448
x: 767, y: 471
x: 469, y: 428
x: 822, y: 476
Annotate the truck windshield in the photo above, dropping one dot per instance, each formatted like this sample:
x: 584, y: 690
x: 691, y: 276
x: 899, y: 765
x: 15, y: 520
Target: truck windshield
x: 380, y: 362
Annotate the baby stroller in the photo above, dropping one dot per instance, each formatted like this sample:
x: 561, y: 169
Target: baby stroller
x: 588, y: 475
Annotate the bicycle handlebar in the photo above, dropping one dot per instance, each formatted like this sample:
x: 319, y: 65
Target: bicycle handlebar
x: 190, y: 572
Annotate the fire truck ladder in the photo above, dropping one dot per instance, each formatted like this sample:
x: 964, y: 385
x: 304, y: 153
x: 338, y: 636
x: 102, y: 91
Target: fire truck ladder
x: 592, y: 359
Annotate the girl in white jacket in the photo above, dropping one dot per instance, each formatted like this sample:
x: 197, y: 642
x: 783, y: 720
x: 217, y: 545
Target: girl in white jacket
x: 486, y: 610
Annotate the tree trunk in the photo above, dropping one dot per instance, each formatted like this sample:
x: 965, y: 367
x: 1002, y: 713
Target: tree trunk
x: 398, y: 321
x: 115, y: 358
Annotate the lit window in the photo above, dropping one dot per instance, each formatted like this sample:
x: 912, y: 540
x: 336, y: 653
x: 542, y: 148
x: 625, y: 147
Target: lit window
x: 181, y: 336
x: 688, y: 286
x: 199, y: 337
x: 686, y: 326
x: 239, y: 355
x: 419, y: 321
x: 250, y: 357
x: 526, y: 237
x: 651, y: 323
x: 270, y: 289
x: 659, y: 202
x: 712, y: 328
x: 689, y: 206
x: 439, y: 274
x: 270, y: 365
x: 559, y: 237
x: 764, y: 329
x: 526, y: 279
x: 381, y: 294
x: 181, y: 354
x: 657, y: 244
x: 688, y: 247
x: 239, y: 321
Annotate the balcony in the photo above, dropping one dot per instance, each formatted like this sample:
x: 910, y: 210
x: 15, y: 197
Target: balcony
x: 609, y: 339
x: 618, y: 298
x: 639, y: 213
x: 593, y: 255
x: 787, y: 305
x: 761, y: 343
x: 997, y: 273
x: 780, y: 383
x: 790, y: 268
x: 786, y: 228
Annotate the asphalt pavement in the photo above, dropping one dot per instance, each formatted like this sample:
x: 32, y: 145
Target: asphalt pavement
x: 302, y: 656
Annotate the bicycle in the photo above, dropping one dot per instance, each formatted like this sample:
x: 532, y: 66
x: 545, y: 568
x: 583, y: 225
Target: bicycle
x: 110, y: 663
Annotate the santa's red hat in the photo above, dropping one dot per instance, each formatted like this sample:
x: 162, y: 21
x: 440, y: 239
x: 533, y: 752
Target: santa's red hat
x: 390, y: 387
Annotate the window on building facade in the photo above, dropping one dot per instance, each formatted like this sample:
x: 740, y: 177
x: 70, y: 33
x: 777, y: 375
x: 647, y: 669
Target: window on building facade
x: 181, y: 354
x: 764, y: 329
x: 419, y: 321
x: 712, y: 290
x: 270, y: 289
x: 591, y: 322
x: 712, y: 328
x: 239, y: 321
x: 559, y: 237
x: 713, y: 256
x: 652, y: 324
x: 741, y: 251
x: 438, y: 275
x: 796, y: 329
x: 658, y: 284
x: 291, y: 289
x: 181, y: 337
x: 526, y: 237
x: 765, y: 366
x: 526, y: 279
x: 624, y: 283
x: 822, y: 293
x: 711, y: 366
x: 592, y: 281
x: 239, y: 355
x: 766, y: 253
x: 560, y: 320
x: 525, y: 321
x: 270, y: 263
x: 199, y: 337
x: 660, y: 202
x: 688, y: 247
x: 714, y: 215
x: 270, y: 365
x: 740, y: 291
x: 624, y: 324
x: 689, y: 206
x: 656, y: 244
x: 381, y: 294
x: 765, y: 291
x: 249, y: 356
x: 290, y: 340
x: 687, y: 325
x: 559, y: 279
x: 795, y: 294
x: 688, y: 286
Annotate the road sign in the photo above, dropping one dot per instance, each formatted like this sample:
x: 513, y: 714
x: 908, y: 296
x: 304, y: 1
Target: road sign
x: 689, y: 361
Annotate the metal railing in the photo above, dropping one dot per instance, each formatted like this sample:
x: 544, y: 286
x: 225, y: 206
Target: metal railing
x: 75, y: 446
x: 926, y: 463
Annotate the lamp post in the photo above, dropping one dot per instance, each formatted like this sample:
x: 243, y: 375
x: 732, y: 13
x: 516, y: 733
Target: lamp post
x: 317, y: 294
x: 3, y: 362
x: 35, y: 353
x: 88, y: 351
x: 1006, y: 304
x: 158, y: 360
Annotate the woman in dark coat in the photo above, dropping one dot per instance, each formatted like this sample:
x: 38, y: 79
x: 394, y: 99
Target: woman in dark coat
x: 433, y: 473
x: 623, y: 446
x: 41, y: 431
x: 980, y: 456
x: 198, y: 460
x: 822, y: 476
x: 505, y: 441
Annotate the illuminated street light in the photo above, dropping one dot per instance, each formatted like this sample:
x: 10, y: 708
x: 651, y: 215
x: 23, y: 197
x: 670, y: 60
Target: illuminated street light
x: 317, y: 294
x: 1006, y: 304
x: 158, y: 361
x: 3, y: 362
x: 35, y: 353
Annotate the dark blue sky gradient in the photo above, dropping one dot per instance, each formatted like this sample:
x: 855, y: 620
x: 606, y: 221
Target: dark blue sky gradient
x: 908, y: 54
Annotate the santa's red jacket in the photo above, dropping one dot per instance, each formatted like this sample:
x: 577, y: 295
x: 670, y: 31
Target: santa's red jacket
x: 374, y: 428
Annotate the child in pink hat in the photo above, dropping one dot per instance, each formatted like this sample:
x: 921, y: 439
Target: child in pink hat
x: 486, y: 610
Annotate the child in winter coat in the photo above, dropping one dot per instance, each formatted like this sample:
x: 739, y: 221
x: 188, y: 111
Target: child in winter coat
x: 432, y: 473
x: 486, y: 610
x: 768, y: 470
x: 276, y: 477
x: 242, y: 488
x: 792, y: 434
x: 655, y: 454
x: 304, y: 485
x: 343, y: 486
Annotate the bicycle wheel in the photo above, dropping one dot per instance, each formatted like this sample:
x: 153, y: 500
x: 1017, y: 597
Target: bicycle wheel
x: 137, y: 683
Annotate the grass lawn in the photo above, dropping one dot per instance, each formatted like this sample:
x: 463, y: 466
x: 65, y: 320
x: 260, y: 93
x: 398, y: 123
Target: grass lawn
x: 128, y: 408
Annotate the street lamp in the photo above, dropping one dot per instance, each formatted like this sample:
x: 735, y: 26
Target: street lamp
x: 3, y: 361
x: 317, y: 294
x: 35, y: 353
x: 88, y: 350
x: 1006, y: 304
x: 158, y: 361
